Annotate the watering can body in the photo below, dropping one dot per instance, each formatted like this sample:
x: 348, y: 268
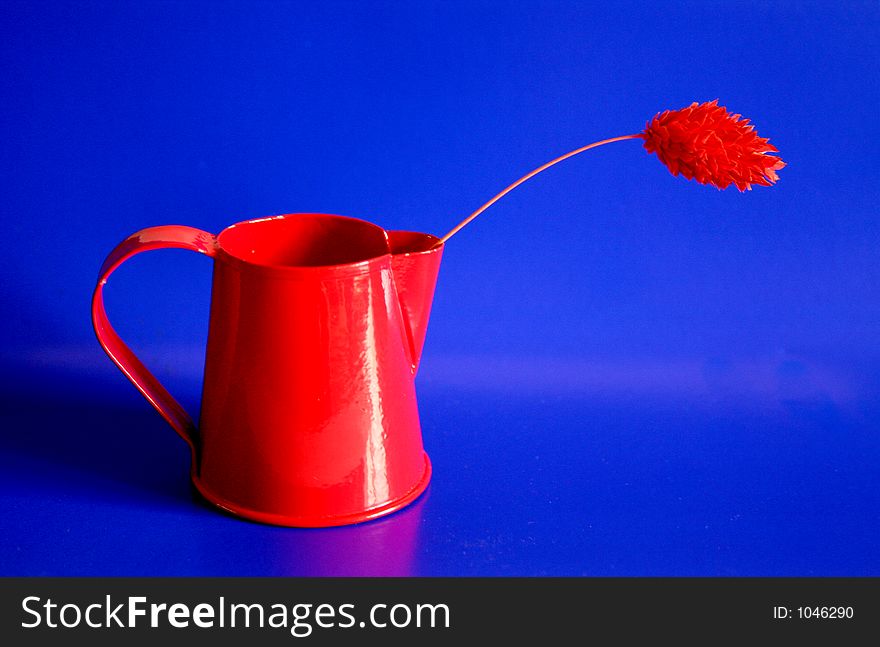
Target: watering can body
x: 309, y: 414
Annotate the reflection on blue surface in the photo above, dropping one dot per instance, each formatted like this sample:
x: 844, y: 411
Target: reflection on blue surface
x: 698, y: 469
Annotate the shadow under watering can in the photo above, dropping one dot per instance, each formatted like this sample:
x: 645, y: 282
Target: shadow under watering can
x: 385, y: 547
x: 309, y: 415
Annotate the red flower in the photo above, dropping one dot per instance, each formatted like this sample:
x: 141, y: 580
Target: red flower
x: 702, y: 142
x: 706, y: 143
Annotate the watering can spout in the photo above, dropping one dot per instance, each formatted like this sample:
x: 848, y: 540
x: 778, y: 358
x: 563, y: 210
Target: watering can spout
x: 415, y: 262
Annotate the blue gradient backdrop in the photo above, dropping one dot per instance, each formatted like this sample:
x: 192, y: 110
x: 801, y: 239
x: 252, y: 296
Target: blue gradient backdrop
x: 625, y: 373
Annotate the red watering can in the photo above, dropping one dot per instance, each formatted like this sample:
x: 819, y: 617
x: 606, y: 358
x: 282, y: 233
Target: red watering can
x: 308, y: 414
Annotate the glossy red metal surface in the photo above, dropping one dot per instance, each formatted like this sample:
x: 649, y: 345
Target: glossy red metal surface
x: 309, y: 414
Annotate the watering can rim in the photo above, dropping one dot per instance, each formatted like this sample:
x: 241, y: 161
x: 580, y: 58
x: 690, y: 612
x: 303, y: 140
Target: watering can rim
x: 337, y: 270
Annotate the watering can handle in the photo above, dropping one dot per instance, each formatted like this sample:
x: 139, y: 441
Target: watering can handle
x: 167, y: 236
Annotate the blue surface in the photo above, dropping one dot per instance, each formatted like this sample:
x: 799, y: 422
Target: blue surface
x: 625, y: 373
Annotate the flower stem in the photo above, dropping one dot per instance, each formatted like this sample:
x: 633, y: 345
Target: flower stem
x: 529, y: 176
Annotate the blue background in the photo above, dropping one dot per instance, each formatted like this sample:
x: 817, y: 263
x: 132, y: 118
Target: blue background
x: 625, y: 373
